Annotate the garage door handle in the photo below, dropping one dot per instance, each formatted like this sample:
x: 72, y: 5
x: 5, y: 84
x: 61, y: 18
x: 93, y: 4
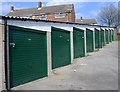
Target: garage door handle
x: 12, y: 45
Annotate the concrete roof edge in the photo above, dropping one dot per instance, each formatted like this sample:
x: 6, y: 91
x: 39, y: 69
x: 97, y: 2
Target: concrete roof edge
x: 37, y: 20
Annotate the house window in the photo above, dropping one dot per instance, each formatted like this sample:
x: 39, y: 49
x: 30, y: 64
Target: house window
x: 30, y: 17
x: 43, y: 17
x: 60, y: 15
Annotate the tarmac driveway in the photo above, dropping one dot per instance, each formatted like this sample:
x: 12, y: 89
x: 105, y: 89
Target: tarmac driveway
x: 97, y: 71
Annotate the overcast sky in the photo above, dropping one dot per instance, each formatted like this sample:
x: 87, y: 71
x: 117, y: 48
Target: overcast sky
x: 84, y: 8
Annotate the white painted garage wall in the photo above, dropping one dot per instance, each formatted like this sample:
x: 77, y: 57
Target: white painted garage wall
x: 2, y: 69
x: 43, y: 26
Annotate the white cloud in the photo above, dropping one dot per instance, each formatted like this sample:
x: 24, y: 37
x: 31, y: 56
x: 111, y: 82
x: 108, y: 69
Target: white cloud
x: 60, y: 0
x: 0, y: 8
x: 5, y: 8
x: 76, y: 5
x: 79, y: 15
x: 79, y: 4
x: 57, y: 2
x: 94, y: 13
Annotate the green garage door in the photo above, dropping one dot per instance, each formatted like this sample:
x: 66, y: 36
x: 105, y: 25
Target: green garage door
x: 60, y: 40
x: 97, y: 38
x: 102, y: 38
x: 28, y: 55
x: 89, y: 40
x: 110, y: 35
x: 106, y: 33
x: 78, y: 40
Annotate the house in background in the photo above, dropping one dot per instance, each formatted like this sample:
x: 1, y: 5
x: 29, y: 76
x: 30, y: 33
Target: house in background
x: 86, y: 21
x: 118, y: 29
x: 63, y: 13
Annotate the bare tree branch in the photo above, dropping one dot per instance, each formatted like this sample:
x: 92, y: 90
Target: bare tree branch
x: 109, y: 15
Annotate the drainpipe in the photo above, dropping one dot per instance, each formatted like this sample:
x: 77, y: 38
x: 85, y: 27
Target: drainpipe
x: 6, y: 55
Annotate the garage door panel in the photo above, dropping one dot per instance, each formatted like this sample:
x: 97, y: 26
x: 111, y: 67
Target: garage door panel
x: 110, y: 35
x: 60, y: 47
x: 102, y: 38
x: 97, y: 39
x: 106, y: 33
x: 28, y: 60
x: 78, y: 40
x: 89, y: 40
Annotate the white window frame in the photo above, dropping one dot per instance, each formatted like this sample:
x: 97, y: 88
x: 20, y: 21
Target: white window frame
x: 45, y: 17
x: 59, y: 15
x: 30, y: 17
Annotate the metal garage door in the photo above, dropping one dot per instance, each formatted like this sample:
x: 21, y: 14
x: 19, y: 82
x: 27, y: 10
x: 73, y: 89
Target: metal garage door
x: 78, y: 40
x: 97, y: 38
x: 60, y: 40
x: 102, y: 38
x: 89, y: 40
x: 27, y: 55
x: 107, y: 37
x: 110, y: 35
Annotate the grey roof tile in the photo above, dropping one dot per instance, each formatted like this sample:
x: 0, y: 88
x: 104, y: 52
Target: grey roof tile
x: 86, y: 21
x: 43, y: 10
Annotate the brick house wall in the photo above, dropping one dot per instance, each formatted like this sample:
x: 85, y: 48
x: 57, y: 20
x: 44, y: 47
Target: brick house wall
x: 69, y: 17
x: 63, y: 13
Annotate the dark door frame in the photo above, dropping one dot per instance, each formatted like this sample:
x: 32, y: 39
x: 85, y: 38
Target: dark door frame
x: 6, y: 55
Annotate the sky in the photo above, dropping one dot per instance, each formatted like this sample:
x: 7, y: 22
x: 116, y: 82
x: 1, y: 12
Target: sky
x: 87, y: 9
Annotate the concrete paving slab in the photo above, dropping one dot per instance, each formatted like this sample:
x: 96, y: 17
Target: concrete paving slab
x: 97, y: 71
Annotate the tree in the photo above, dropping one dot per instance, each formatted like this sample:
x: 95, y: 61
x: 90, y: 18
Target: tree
x: 108, y: 15
x: 119, y: 13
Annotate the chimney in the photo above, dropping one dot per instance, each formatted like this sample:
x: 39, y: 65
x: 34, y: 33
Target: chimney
x: 81, y: 18
x: 12, y: 8
x: 39, y: 5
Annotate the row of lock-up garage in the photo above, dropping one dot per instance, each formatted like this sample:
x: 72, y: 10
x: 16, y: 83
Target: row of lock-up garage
x: 33, y: 48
